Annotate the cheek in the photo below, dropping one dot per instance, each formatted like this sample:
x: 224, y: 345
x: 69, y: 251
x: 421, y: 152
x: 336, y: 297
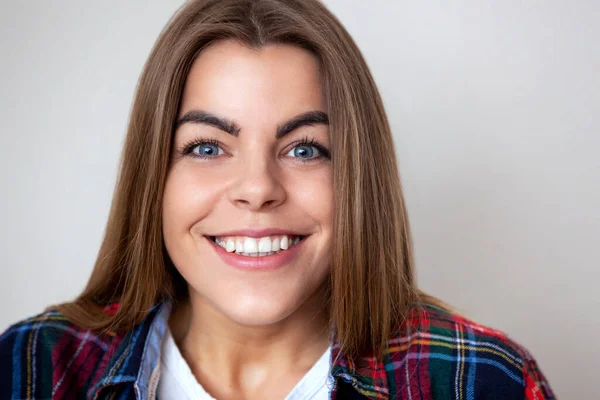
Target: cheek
x: 190, y: 195
x: 314, y: 193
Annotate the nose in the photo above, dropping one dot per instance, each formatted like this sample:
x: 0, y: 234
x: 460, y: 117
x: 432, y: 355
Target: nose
x: 258, y: 186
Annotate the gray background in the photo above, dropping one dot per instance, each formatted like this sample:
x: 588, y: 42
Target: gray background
x: 495, y: 108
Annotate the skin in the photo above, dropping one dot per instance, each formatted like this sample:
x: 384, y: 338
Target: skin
x: 250, y: 334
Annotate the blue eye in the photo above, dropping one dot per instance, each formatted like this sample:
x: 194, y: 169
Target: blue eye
x: 304, y: 151
x: 206, y: 150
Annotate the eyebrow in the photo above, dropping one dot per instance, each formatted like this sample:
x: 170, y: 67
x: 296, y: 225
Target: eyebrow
x: 232, y: 128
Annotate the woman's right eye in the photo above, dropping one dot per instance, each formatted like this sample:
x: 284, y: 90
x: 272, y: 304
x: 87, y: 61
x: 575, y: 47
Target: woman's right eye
x: 204, y: 149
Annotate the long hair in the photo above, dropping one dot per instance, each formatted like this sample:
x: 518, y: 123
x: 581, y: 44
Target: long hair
x: 371, y: 284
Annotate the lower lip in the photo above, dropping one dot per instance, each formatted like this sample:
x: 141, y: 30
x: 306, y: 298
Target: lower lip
x: 262, y: 263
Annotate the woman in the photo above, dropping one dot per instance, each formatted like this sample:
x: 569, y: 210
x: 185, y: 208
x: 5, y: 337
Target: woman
x: 258, y: 244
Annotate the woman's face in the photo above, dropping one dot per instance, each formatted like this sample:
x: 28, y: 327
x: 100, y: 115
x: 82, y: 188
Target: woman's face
x: 250, y: 175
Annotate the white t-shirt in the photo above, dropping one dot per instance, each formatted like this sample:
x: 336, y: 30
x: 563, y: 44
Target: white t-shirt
x: 178, y: 382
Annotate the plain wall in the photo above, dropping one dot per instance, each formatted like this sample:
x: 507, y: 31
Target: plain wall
x: 495, y: 109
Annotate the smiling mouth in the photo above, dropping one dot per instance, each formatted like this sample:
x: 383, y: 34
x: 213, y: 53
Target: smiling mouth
x: 257, y: 247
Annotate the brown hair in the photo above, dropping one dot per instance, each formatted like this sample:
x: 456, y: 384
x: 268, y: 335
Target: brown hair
x: 371, y: 285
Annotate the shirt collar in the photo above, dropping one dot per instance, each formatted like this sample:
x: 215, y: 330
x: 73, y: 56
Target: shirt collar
x: 132, y: 355
x: 151, y: 354
x: 367, y: 375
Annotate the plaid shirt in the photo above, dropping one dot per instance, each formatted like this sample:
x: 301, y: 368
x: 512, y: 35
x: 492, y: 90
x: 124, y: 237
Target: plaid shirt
x: 439, y: 356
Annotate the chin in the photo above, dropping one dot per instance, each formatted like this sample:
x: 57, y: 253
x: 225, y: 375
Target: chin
x: 258, y: 319
x: 252, y: 309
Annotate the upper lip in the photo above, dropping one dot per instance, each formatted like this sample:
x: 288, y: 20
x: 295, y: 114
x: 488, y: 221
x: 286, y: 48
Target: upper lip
x: 258, y: 233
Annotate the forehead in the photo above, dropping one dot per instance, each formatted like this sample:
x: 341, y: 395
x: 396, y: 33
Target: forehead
x: 230, y: 78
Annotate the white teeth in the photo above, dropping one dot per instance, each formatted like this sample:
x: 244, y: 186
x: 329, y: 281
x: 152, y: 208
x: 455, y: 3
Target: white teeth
x: 275, y: 244
x: 264, y: 245
x: 250, y: 245
x: 230, y: 245
x: 257, y: 247
x: 284, y: 243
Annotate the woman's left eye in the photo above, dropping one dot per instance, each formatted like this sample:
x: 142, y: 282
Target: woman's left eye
x: 304, y: 151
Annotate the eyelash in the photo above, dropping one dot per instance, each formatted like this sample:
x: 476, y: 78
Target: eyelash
x: 188, y: 148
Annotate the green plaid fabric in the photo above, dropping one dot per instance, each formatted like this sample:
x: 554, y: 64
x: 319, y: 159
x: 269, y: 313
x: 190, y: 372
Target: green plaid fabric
x: 436, y: 355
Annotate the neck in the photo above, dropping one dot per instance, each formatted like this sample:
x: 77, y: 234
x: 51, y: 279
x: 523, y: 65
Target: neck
x: 244, y: 357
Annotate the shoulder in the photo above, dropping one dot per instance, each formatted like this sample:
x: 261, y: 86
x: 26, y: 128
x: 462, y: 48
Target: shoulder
x: 45, y: 328
x: 455, y: 355
x: 50, y: 331
x: 39, y: 352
